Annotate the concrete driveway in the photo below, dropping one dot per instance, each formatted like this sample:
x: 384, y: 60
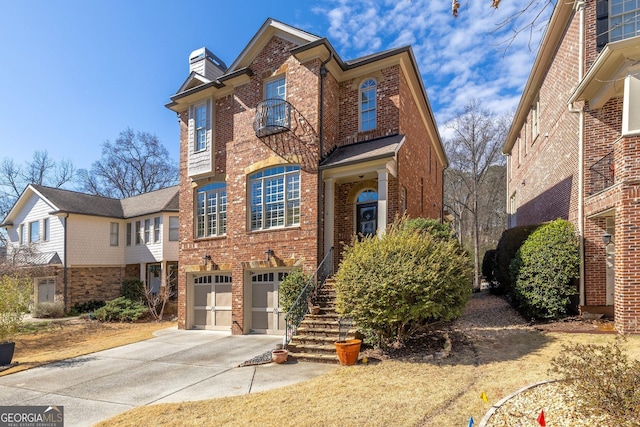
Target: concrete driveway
x: 175, y: 366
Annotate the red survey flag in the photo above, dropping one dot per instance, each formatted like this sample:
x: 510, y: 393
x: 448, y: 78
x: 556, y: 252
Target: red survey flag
x: 541, y: 420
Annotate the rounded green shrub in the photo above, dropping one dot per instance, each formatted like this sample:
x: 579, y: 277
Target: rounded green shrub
x: 291, y: 287
x: 545, y: 268
x: 392, y: 286
x: 133, y: 289
x: 120, y: 309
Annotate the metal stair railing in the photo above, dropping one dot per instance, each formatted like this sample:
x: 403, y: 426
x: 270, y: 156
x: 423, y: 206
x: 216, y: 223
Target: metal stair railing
x: 300, y: 307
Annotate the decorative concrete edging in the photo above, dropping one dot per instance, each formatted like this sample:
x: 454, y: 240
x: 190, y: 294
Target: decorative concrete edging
x: 496, y: 406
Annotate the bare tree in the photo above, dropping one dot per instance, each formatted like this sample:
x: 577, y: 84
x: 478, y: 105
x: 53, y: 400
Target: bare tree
x: 135, y: 163
x: 473, y: 190
x: 157, y: 299
x: 40, y: 170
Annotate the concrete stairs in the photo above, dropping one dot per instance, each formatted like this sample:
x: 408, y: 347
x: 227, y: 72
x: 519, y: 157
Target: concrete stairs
x: 316, y: 334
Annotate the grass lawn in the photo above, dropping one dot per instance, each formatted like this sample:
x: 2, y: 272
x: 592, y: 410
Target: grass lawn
x: 381, y: 393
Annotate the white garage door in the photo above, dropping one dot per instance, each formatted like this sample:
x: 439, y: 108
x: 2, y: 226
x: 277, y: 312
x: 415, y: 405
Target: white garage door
x: 212, y: 301
x: 266, y: 316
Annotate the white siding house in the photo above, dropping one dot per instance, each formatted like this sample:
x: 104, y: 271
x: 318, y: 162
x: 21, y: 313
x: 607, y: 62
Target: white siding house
x: 87, y: 245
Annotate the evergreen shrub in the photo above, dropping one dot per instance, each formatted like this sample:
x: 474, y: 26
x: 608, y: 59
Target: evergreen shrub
x: 394, y: 285
x: 545, y: 268
x: 291, y: 287
x: 120, y: 309
x: 508, y: 245
x: 133, y: 289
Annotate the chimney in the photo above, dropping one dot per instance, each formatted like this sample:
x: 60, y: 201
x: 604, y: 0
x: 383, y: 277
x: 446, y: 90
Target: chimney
x: 205, y: 63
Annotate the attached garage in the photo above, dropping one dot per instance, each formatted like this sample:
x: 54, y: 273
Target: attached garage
x: 212, y: 301
x: 266, y: 316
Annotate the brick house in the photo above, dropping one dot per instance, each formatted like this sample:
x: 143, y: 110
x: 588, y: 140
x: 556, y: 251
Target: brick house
x: 86, y: 245
x: 286, y: 154
x: 573, y: 148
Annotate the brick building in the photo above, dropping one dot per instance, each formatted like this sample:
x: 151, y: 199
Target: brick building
x: 574, y: 148
x: 285, y: 154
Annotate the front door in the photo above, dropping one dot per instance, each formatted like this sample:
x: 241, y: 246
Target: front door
x: 212, y: 301
x: 367, y: 219
x: 266, y: 316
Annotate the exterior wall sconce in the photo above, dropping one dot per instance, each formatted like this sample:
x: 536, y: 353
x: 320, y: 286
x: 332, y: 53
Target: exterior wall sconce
x: 206, y: 259
x: 269, y: 253
x: 607, y: 239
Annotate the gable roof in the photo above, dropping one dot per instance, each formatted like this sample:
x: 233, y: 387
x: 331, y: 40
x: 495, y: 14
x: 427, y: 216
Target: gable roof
x: 73, y: 202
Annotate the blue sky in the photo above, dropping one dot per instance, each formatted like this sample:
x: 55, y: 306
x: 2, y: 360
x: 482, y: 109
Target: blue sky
x: 75, y: 73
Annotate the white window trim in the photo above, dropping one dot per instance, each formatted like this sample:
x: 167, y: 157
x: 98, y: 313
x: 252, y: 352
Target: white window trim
x: 112, y: 234
x: 174, y: 229
x: 221, y: 212
x: 263, y: 203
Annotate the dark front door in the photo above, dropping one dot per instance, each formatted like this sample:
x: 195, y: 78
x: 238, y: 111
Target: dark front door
x: 367, y: 218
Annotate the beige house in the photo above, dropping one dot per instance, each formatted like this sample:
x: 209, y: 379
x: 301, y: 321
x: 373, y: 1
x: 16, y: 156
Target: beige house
x: 87, y: 245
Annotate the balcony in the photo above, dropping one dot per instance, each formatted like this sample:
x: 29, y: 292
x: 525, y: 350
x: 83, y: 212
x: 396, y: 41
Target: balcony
x: 272, y: 116
x: 602, y: 174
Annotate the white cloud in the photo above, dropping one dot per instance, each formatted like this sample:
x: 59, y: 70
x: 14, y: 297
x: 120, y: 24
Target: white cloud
x: 459, y: 58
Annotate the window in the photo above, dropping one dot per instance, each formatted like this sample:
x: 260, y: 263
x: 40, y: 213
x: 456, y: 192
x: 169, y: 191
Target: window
x: 367, y: 105
x: 47, y: 229
x: 156, y: 229
x: 274, y: 93
x: 535, y: 119
x: 513, y: 210
x: 138, y: 232
x: 275, y: 197
x: 23, y: 235
x: 128, y: 234
x: 623, y: 19
x: 147, y: 230
x: 34, y: 231
x: 173, y: 228
x: 201, y: 127
x: 211, y: 210
x: 403, y: 200
x: 114, y: 231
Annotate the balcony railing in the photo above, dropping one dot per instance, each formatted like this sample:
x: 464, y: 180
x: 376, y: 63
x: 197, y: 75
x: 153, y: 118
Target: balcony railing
x: 272, y: 116
x: 602, y: 174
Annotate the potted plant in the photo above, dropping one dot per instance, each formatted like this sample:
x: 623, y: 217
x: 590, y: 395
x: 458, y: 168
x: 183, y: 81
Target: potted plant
x: 15, y: 295
x: 348, y: 351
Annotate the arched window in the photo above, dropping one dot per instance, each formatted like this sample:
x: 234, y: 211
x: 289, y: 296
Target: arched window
x: 367, y: 105
x: 211, y: 210
x: 274, y: 197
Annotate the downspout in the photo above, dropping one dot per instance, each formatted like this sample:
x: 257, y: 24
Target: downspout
x: 323, y: 74
x: 64, y: 263
x: 579, y: 5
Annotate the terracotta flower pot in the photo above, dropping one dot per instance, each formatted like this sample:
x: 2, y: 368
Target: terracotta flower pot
x: 348, y: 351
x: 279, y: 356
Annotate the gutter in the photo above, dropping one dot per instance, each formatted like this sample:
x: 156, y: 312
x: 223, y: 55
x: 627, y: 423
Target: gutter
x: 64, y: 263
x: 323, y: 74
x: 579, y: 5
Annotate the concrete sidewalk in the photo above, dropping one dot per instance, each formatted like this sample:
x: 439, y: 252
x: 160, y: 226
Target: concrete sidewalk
x: 175, y: 366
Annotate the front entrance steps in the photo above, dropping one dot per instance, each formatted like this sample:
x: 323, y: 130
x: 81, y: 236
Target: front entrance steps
x: 316, y: 334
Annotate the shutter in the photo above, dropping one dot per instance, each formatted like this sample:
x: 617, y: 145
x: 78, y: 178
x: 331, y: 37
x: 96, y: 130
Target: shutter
x: 602, y: 24
x: 191, y: 133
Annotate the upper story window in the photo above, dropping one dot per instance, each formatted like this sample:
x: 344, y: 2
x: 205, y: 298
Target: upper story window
x: 114, y: 230
x: 535, y: 119
x: 34, y: 231
x: 200, y: 127
x: 367, y: 104
x: 274, y: 92
x: 275, y: 197
x: 147, y: 230
x: 47, y: 229
x: 623, y: 19
x: 129, y: 225
x: 156, y: 229
x: 211, y: 210
x: 138, y: 233
x: 173, y: 228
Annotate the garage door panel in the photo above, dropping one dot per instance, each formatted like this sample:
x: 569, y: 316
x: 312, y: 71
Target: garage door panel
x: 200, y: 317
x: 201, y: 294
x: 223, y: 317
x: 223, y: 295
x: 259, y: 293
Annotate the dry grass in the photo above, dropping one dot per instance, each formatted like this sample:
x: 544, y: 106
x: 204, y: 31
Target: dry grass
x: 493, y: 358
x: 47, y: 342
x: 386, y: 393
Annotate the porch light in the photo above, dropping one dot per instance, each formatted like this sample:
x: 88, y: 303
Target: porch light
x: 269, y: 253
x: 206, y: 259
x: 607, y: 239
